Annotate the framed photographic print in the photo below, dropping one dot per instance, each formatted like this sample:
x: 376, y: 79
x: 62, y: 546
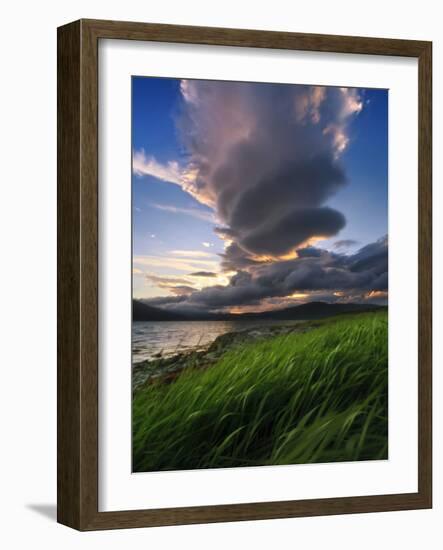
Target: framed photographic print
x: 244, y: 275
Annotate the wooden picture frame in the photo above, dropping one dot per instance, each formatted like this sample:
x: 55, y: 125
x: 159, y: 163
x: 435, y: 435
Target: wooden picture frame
x: 78, y: 274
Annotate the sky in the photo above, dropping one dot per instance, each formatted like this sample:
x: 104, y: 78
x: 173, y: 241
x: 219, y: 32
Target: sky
x: 257, y: 196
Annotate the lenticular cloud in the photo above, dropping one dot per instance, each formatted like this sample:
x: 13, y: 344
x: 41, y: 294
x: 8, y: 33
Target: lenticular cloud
x: 266, y: 157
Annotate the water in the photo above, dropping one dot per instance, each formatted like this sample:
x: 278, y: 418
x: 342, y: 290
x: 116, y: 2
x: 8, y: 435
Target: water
x: 170, y: 337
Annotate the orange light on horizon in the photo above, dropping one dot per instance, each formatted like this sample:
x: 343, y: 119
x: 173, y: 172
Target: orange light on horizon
x: 299, y: 295
x: 377, y: 294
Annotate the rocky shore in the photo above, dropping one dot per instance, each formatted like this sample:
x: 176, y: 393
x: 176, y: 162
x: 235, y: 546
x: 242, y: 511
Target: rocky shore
x: 165, y: 370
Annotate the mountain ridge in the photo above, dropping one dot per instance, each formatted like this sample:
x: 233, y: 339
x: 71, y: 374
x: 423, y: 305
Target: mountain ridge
x: 311, y: 310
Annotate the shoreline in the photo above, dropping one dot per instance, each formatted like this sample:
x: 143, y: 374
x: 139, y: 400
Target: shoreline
x: 165, y: 369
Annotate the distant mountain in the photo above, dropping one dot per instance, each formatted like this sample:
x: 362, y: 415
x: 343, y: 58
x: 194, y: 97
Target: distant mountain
x: 143, y: 312
x: 311, y: 310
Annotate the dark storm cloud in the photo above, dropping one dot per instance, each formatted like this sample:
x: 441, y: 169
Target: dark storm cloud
x: 164, y: 301
x: 284, y: 206
x: 235, y: 258
x: 314, y: 270
x: 288, y: 232
x: 266, y: 158
x: 381, y: 282
x: 312, y: 252
x: 372, y: 255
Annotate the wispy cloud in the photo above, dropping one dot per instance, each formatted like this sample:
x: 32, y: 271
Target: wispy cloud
x: 177, y: 263
x: 177, y: 286
x: 143, y: 165
x: 193, y: 212
x: 172, y: 172
x: 169, y: 281
x: 192, y: 253
x: 157, y: 270
x: 209, y: 274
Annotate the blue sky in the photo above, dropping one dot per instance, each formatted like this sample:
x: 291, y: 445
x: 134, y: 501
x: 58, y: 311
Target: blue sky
x: 365, y: 200
x: 156, y: 231
x: 187, y: 134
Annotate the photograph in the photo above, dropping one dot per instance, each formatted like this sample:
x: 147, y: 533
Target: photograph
x: 260, y: 274
x: 244, y: 275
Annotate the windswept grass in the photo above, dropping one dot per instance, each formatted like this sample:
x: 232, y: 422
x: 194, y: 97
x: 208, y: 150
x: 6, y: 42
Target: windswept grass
x: 320, y: 396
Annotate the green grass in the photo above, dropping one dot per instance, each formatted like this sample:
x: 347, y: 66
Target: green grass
x: 319, y: 396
